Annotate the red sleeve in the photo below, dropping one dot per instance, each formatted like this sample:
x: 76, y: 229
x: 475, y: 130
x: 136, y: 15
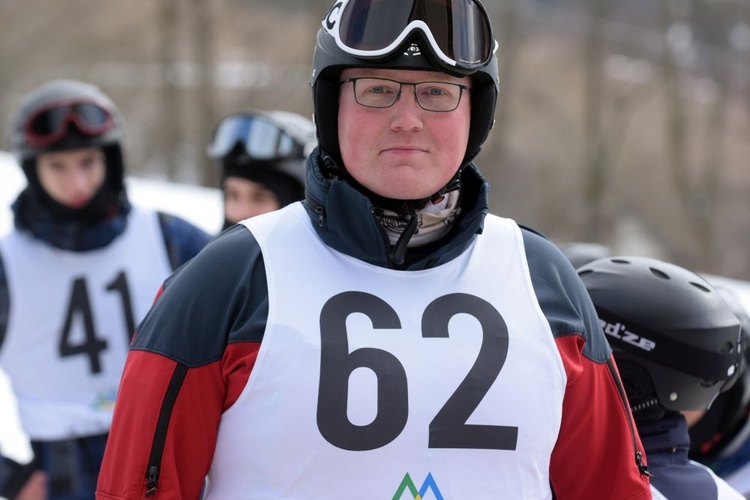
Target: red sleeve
x: 595, y: 453
x: 190, y: 438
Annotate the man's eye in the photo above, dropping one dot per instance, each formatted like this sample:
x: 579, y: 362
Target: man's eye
x: 379, y: 90
x: 435, y: 91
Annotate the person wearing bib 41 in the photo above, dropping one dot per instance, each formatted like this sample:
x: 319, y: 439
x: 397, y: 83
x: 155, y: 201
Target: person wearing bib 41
x: 386, y: 335
x: 77, y: 273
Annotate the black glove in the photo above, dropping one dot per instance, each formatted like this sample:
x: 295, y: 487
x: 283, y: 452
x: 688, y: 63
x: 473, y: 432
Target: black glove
x: 13, y: 476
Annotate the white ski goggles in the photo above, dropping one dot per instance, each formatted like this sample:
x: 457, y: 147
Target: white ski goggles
x: 262, y: 138
x: 458, y: 31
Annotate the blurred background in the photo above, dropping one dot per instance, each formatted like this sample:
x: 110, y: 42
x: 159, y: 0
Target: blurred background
x: 623, y: 122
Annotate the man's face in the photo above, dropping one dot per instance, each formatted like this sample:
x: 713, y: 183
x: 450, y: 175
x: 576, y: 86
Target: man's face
x: 72, y: 177
x: 244, y: 198
x: 402, y: 152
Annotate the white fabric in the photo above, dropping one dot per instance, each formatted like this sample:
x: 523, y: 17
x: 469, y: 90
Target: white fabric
x: 656, y: 494
x: 434, y: 221
x: 63, y: 396
x: 270, y: 444
x: 723, y: 490
x: 739, y: 480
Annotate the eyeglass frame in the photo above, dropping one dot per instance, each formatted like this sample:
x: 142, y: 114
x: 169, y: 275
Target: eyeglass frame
x: 461, y: 89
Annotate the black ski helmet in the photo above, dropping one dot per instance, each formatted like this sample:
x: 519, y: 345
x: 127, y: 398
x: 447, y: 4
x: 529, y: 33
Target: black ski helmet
x: 269, y: 147
x: 55, y: 95
x: 415, y: 52
x: 725, y: 426
x: 677, y: 342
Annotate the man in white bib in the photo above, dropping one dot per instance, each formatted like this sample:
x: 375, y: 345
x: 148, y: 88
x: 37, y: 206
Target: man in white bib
x: 386, y: 337
x: 79, y: 270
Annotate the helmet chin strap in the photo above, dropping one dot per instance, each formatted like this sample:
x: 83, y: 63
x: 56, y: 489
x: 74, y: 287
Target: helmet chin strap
x: 333, y: 170
x: 405, y: 208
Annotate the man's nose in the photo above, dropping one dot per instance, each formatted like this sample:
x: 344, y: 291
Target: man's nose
x: 408, y: 112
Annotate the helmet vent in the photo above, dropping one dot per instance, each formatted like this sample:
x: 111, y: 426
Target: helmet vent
x: 620, y: 261
x: 700, y: 287
x: 659, y: 274
x: 727, y: 347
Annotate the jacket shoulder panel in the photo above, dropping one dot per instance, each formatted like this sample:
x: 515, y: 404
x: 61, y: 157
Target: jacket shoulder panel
x: 562, y: 296
x: 182, y: 239
x: 218, y: 297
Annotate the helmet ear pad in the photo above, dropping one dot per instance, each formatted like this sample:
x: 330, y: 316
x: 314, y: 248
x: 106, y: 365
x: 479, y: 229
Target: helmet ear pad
x: 639, y: 387
x: 483, y: 102
x: 115, y: 179
x: 326, y: 102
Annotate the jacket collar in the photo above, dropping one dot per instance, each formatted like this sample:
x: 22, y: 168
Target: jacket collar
x: 343, y: 218
x: 71, y: 235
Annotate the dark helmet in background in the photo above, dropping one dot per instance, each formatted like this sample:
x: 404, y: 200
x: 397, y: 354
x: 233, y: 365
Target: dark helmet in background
x: 725, y: 427
x: 268, y: 147
x: 68, y: 114
x: 453, y: 37
x: 580, y: 253
x: 677, y: 343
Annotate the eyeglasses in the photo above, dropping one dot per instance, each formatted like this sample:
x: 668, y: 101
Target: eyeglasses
x: 50, y: 123
x: 440, y: 97
x: 458, y: 31
x: 262, y: 138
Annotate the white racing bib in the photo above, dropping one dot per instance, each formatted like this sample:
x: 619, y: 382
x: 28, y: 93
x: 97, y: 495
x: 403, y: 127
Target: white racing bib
x: 442, y: 383
x: 71, y: 318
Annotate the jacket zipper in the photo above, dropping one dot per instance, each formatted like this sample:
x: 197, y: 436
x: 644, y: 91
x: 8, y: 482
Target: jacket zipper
x: 162, y: 424
x: 642, y: 468
x: 319, y: 210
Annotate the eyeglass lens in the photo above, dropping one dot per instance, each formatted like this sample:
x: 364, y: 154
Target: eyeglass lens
x: 383, y: 93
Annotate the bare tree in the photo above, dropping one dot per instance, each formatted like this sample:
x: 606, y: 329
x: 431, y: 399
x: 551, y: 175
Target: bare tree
x: 202, y: 35
x: 594, y: 141
x: 509, y: 34
x: 676, y: 122
x: 697, y: 183
x: 170, y: 112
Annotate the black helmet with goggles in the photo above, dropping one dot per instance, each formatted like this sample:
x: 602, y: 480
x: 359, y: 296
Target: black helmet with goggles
x: 452, y: 36
x: 249, y: 143
x: 457, y: 31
